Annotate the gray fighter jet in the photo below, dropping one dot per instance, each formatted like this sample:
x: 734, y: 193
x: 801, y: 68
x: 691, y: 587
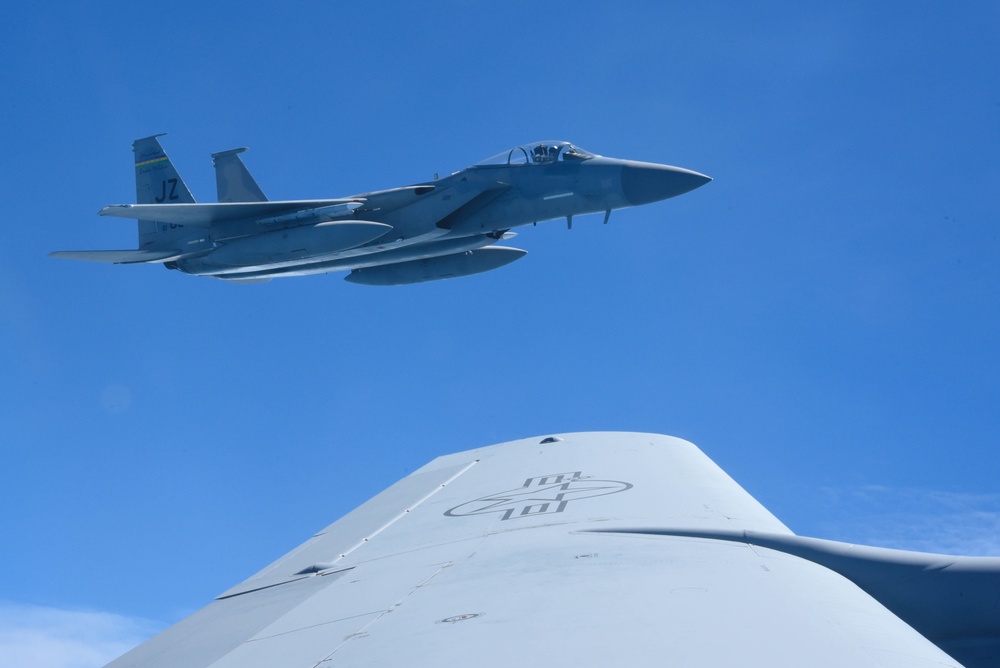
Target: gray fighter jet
x: 439, y: 229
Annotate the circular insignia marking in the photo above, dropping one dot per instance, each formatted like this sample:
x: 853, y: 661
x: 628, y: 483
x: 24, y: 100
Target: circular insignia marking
x: 540, y: 495
x: 459, y: 618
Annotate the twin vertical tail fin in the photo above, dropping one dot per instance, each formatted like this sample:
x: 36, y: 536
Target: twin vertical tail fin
x: 233, y: 180
x: 157, y: 182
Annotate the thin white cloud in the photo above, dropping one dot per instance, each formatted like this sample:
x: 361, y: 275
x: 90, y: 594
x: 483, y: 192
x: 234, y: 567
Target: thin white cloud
x: 916, y: 519
x: 40, y: 637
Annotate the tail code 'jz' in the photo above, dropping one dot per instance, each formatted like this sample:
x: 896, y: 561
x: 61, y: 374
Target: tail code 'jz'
x: 157, y: 182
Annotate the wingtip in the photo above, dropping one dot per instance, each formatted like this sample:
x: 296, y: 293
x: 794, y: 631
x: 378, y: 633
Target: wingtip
x: 106, y: 211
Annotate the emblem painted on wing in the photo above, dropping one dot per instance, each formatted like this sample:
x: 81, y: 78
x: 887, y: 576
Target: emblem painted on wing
x: 540, y: 495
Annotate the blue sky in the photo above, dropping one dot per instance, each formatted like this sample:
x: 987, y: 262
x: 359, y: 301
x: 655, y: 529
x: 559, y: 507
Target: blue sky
x: 822, y: 319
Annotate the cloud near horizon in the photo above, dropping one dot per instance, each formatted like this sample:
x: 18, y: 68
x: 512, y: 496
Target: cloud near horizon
x: 924, y: 520
x: 33, y: 636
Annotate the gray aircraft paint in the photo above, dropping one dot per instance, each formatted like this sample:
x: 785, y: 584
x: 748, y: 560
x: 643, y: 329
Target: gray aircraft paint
x: 587, y: 549
x: 411, y: 234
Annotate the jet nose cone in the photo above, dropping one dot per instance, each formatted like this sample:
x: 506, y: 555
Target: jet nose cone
x: 644, y: 182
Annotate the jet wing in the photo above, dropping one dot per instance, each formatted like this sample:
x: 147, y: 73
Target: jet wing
x: 591, y: 549
x: 205, y: 215
x: 124, y: 256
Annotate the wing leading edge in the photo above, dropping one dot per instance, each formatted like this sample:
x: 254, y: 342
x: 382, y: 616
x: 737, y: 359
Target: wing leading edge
x: 596, y: 548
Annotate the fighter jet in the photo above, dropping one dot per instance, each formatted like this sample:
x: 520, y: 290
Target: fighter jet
x: 443, y: 228
x: 587, y: 550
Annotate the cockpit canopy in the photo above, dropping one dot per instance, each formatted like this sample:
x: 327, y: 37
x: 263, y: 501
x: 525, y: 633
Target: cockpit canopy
x: 541, y: 152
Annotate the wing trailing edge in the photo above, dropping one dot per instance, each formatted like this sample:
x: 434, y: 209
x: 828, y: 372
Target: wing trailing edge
x: 124, y: 256
x: 206, y: 215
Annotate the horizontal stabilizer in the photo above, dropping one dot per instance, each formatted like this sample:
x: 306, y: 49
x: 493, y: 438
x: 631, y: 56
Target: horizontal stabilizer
x: 435, y: 268
x: 122, y: 256
x: 205, y: 215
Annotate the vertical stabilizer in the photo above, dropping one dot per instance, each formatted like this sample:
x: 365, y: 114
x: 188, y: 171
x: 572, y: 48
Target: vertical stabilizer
x: 157, y: 182
x: 233, y: 179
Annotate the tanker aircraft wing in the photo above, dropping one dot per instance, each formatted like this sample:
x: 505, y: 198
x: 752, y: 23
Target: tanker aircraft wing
x: 588, y: 549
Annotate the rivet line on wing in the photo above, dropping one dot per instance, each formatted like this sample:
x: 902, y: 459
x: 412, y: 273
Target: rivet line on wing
x: 405, y: 512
